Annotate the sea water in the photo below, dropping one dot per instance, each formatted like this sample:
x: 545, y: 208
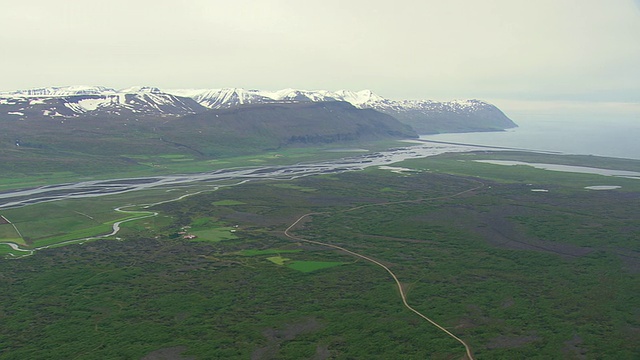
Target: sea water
x: 611, y: 135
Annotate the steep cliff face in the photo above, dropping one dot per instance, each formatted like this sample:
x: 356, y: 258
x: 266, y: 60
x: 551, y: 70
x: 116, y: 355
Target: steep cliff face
x: 455, y: 116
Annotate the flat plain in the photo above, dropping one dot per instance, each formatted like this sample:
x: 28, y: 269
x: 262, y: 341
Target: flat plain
x: 516, y: 273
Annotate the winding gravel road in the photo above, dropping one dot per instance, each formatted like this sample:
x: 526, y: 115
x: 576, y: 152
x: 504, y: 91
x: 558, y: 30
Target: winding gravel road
x: 85, y: 189
x: 287, y: 233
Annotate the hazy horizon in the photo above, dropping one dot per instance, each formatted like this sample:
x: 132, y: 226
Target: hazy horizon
x: 545, y: 51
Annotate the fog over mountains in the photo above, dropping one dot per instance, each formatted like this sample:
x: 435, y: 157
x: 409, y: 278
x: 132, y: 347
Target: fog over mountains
x: 425, y: 116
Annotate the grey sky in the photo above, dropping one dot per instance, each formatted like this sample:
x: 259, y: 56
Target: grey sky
x: 585, y: 50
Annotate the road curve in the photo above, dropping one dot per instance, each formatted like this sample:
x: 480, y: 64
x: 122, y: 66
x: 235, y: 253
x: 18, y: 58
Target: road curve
x: 288, y: 234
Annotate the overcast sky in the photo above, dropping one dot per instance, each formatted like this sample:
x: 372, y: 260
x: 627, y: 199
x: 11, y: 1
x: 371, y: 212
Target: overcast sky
x: 565, y: 50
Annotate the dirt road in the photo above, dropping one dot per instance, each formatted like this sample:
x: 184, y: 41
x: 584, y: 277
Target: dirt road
x: 287, y: 233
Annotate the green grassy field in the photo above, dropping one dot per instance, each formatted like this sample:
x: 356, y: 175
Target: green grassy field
x: 215, y: 234
x: 303, y: 266
x: 7, y: 231
x: 517, y: 274
x: 9, y: 253
x: 278, y: 260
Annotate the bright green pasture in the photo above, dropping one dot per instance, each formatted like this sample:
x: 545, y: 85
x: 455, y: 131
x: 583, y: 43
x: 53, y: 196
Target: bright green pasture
x: 60, y: 221
x: 9, y: 234
x: 210, y: 229
x: 214, y: 234
x: 18, y: 241
x: 78, y: 234
x: 7, y: 251
x: 278, y: 260
x: 49, y: 223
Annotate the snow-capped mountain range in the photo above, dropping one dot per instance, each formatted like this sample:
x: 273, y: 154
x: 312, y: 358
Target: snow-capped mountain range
x: 77, y: 101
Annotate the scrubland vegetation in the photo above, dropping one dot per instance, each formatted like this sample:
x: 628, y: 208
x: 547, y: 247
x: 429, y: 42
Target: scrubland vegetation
x: 517, y: 274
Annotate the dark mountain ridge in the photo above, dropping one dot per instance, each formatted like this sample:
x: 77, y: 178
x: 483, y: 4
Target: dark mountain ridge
x: 205, y: 134
x: 425, y: 116
x: 285, y: 124
x: 69, y: 126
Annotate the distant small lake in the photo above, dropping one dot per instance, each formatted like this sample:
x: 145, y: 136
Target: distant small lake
x: 567, y: 168
x: 603, y: 187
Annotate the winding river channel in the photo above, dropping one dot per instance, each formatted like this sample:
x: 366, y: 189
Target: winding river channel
x: 85, y: 189
x: 235, y: 176
x: 218, y: 178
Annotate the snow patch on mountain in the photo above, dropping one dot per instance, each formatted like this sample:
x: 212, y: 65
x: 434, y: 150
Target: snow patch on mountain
x: 75, y: 107
x: 224, y: 98
x: 94, y: 103
x: 61, y: 91
x: 360, y: 99
x: 232, y: 97
x: 74, y: 101
x: 364, y: 99
x: 140, y: 89
x: 426, y: 116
